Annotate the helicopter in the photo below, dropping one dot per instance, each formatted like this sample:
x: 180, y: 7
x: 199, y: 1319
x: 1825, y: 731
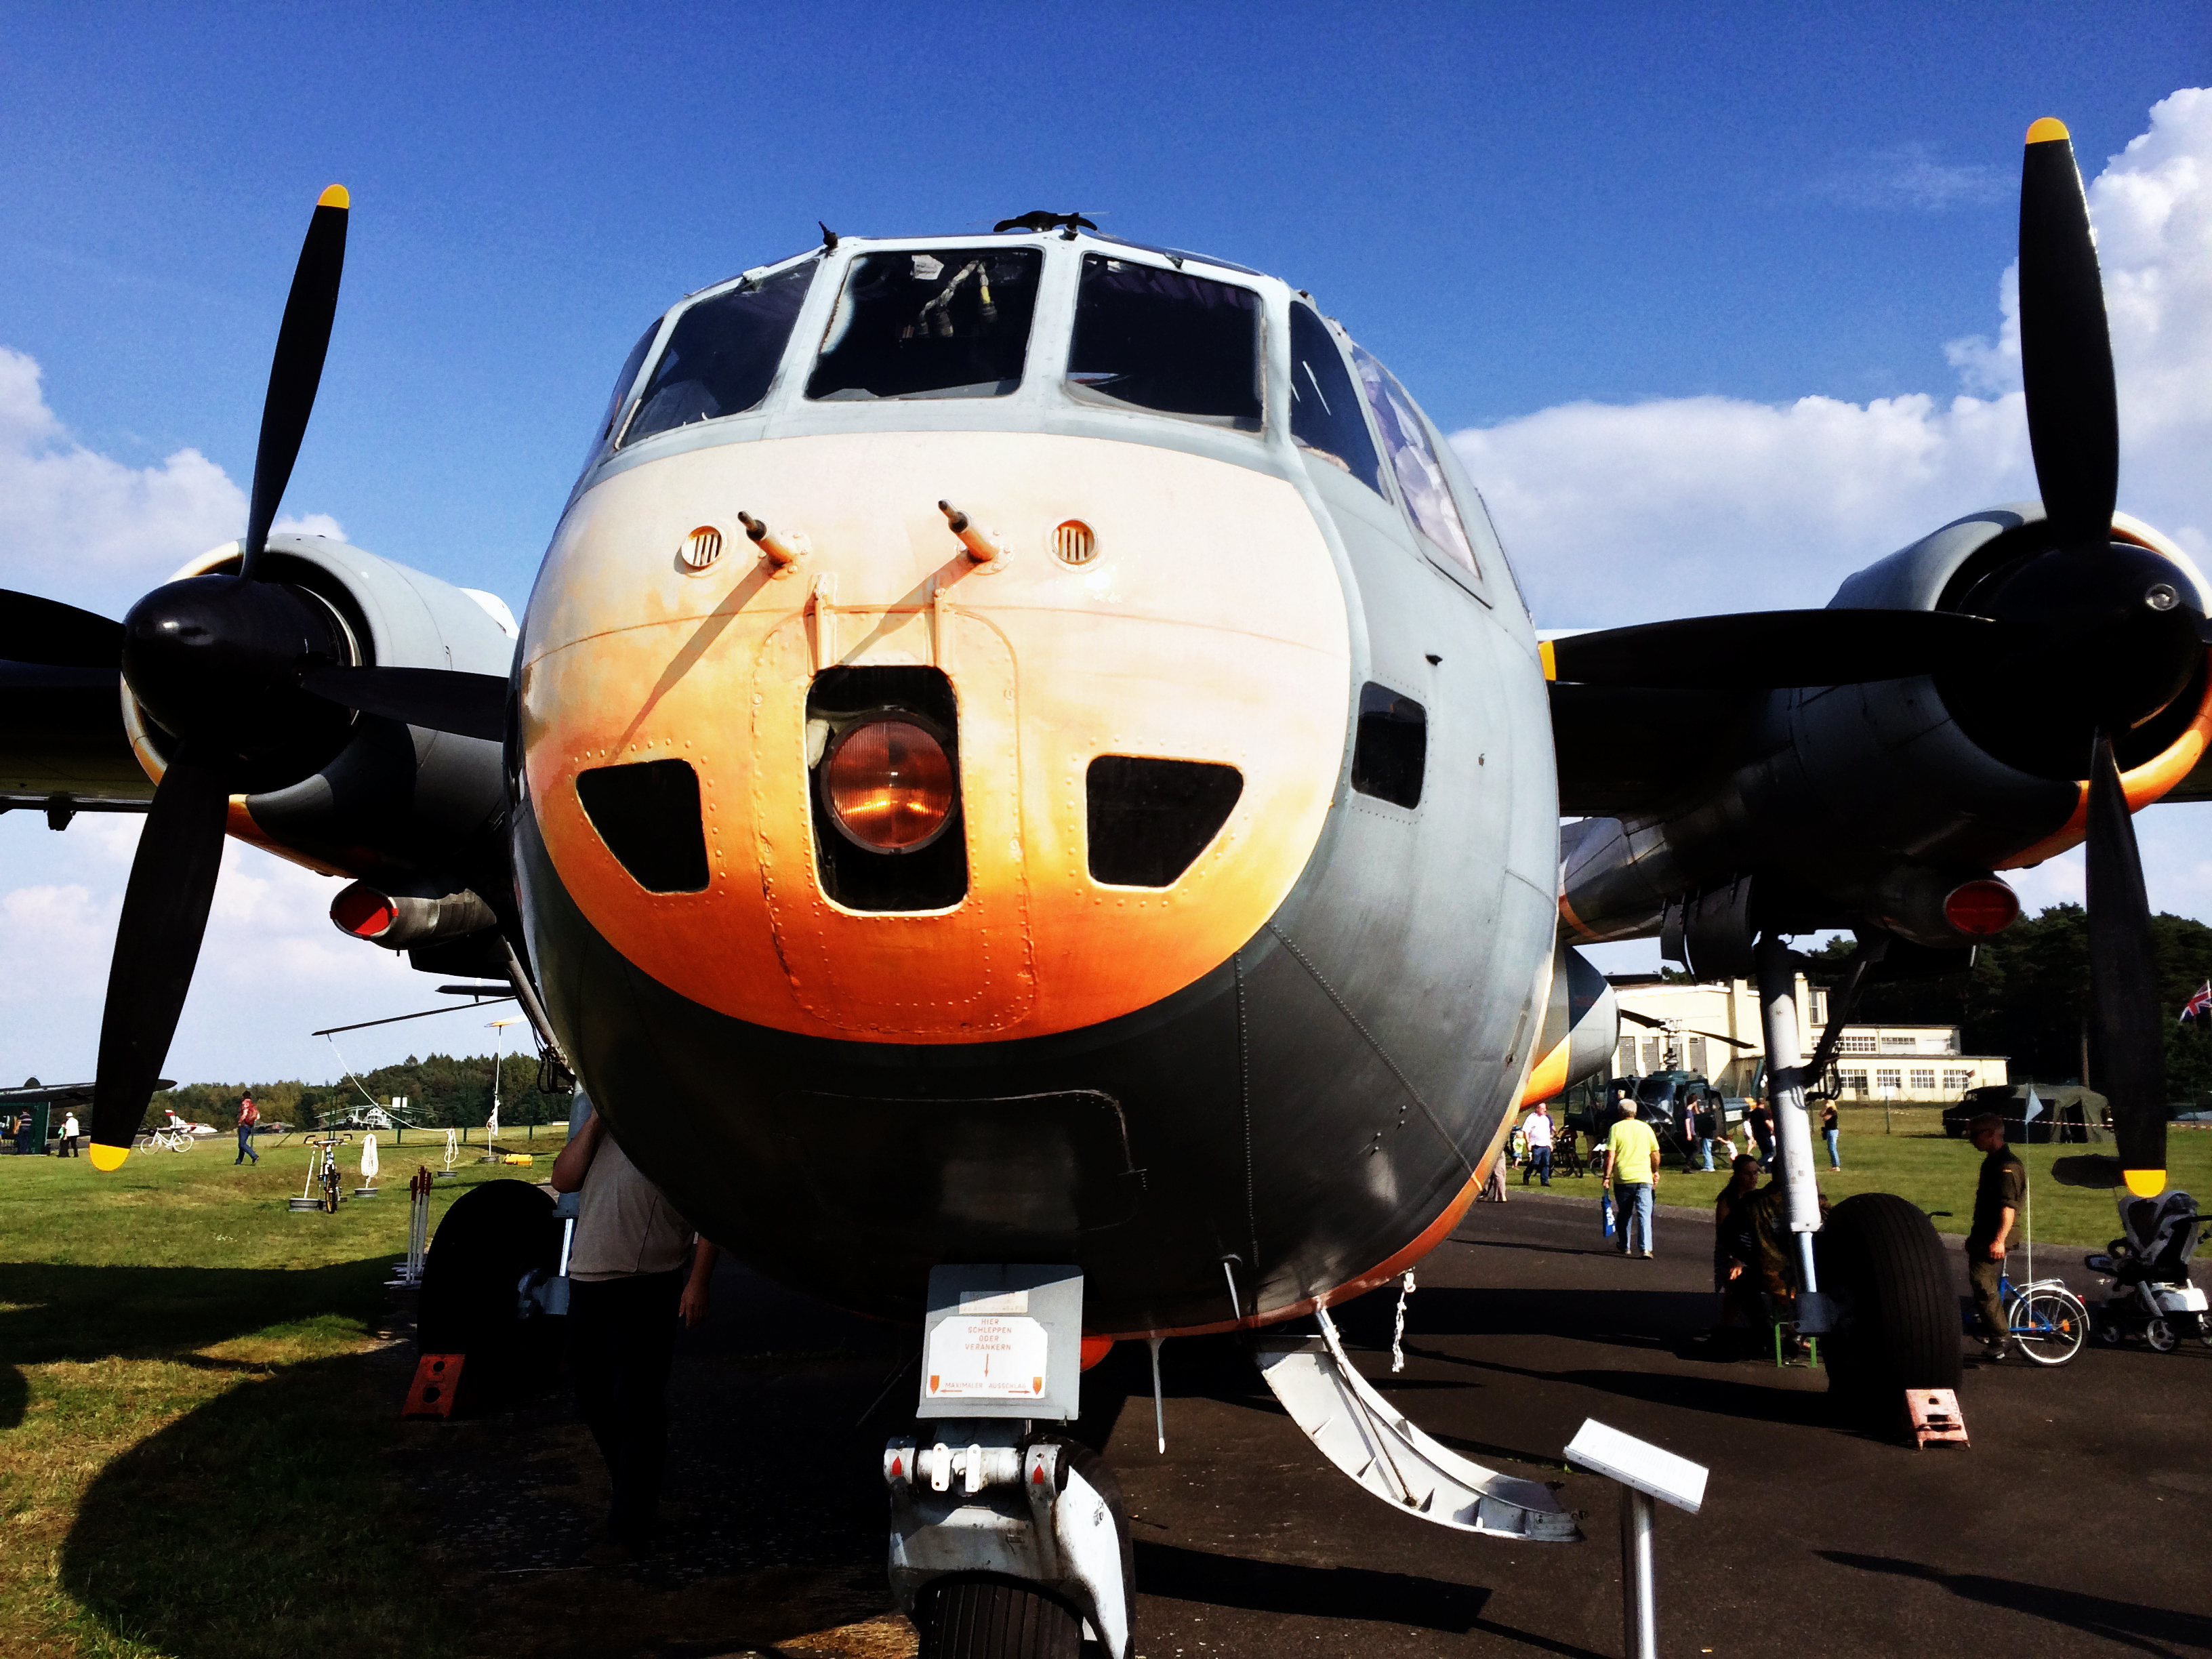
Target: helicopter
x: 1027, y: 794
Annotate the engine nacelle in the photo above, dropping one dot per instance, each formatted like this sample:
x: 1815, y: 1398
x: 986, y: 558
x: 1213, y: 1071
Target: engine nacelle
x: 1873, y: 805
x: 370, y: 796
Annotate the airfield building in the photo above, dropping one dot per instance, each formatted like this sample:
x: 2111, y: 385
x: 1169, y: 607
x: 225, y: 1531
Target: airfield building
x: 1875, y: 1062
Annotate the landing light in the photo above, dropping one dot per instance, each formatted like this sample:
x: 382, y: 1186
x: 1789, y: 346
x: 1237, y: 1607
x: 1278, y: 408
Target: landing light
x: 889, y: 783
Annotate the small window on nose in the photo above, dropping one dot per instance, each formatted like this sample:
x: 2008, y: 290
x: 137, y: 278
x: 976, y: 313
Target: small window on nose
x: 648, y: 816
x: 1150, y: 819
x: 1392, y: 749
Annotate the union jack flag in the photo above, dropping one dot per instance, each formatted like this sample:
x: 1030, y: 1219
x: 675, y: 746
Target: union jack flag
x: 2198, y: 1006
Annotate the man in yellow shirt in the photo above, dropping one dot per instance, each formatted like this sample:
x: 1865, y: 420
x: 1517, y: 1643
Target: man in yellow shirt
x: 1631, y: 1171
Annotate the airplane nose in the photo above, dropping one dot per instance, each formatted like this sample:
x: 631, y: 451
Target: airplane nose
x: 939, y: 798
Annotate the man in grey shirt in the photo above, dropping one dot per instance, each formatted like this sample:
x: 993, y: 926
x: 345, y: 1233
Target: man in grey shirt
x: 627, y: 1290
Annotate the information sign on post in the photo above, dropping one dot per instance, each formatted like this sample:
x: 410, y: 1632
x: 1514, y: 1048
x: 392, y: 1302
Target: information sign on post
x: 1003, y: 1341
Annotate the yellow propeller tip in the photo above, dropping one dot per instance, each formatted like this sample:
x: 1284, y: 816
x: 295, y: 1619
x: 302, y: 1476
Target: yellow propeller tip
x: 335, y: 195
x: 2049, y: 130
x: 2145, y: 1184
x: 107, y: 1158
x: 1549, y: 657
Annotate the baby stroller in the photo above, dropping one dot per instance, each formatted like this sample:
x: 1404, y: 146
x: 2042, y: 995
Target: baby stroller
x: 2151, y: 1296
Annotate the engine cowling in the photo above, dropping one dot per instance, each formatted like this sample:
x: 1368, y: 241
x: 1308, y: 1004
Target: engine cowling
x: 1870, y: 805
x: 1581, y: 1030
x: 359, y: 794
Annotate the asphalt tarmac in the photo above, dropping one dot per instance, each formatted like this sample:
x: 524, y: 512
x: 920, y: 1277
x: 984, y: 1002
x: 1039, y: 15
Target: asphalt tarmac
x: 2076, y: 1523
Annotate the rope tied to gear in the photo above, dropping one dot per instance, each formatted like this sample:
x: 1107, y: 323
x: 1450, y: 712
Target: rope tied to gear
x: 1405, y: 1288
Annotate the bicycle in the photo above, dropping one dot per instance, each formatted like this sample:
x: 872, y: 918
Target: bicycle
x: 2047, y: 1323
x: 327, y: 1174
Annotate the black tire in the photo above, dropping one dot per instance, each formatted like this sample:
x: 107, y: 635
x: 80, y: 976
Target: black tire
x: 975, y: 1617
x: 1882, y: 1254
x: 492, y: 1236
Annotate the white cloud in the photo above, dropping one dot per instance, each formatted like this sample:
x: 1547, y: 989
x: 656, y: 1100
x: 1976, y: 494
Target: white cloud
x: 87, y: 529
x: 1685, y: 506
x: 1618, y: 513
x: 271, y: 968
x: 1909, y: 176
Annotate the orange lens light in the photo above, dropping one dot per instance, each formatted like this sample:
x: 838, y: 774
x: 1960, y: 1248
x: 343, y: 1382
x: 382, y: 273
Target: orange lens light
x: 889, y: 783
x: 1981, y: 907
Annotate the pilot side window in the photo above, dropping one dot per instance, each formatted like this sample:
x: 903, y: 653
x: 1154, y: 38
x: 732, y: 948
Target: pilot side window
x: 623, y: 381
x: 722, y: 354
x: 1420, y: 479
x: 1163, y: 340
x: 950, y: 323
x: 1326, y: 418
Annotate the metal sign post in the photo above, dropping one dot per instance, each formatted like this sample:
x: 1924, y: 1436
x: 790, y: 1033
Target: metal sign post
x: 1645, y: 1473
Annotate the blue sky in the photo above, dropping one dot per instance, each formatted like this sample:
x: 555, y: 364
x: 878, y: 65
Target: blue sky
x: 1722, y: 210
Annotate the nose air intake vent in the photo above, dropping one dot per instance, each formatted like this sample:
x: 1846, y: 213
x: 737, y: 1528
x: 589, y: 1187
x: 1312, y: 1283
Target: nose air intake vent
x: 648, y: 816
x: 1149, y: 820
x: 1391, y: 752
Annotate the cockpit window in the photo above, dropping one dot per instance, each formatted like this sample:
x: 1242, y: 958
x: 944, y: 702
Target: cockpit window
x: 1420, y: 479
x: 1160, y: 339
x: 1325, y: 416
x: 722, y: 355
x: 950, y: 323
x: 623, y: 381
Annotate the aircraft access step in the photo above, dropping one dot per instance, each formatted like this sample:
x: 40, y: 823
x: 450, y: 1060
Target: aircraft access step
x: 1372, y: 1442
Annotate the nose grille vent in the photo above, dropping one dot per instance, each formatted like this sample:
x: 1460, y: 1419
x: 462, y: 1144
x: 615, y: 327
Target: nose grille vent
x: 1150, y: 819
x: 648, y: 816
x: 702, y: 547
x: 1073, y: 543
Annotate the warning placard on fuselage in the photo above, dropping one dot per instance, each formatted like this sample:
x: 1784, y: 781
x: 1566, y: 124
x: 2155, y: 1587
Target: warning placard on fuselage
x: 1003, y: 1341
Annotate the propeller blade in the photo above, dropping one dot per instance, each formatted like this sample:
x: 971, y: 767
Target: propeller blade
x: 436, y: 699
x: 2124, y: 1004
x: 1772, y: 648
x: 301, y: 342
x: 40, y: 630
x: 2065, y: 348
x: 165, y: 911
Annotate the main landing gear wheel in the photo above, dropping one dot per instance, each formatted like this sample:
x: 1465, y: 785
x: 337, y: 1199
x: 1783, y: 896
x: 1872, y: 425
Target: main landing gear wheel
x: 1882, y: 1255
x: 983, y: 1618
x: 493, y: 1235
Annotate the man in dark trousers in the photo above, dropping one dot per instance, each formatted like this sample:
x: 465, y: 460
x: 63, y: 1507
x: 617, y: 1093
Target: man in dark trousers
x: 1998, y: 1199
x: 248, y: 1116
x: 626, y: 1292
x: 1761, y: 1124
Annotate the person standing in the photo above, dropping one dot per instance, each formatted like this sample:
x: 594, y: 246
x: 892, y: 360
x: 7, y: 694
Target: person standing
x: 69, y: 1135
x: 1761, y: 1125
x: 248, y: 1116
x: 1631, y: 1172
x: 1537, y: 1127
x: 1830, y: 1130
x: 1997, y: 1197
x: 627, y: 1291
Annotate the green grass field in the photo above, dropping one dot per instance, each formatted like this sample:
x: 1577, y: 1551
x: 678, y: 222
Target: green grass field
x: 196, y: 1412
x: 192, y: 1434
x: 1916, y: 1160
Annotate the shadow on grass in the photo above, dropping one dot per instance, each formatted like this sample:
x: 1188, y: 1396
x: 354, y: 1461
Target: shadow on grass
x: 258, y: 1525
x: 60, y: 1312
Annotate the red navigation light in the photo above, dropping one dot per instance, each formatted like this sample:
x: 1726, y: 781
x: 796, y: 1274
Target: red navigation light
x: 889, y: 783
x: 1981, y: 907
x: 363, y: 911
